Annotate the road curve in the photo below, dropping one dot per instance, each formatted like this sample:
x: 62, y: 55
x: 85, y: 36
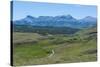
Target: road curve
x: 52, y: 53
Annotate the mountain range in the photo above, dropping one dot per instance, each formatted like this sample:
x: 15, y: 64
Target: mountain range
x: 57, y: 21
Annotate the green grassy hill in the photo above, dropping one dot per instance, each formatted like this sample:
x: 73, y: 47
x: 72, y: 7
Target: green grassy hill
x: 33, y: 48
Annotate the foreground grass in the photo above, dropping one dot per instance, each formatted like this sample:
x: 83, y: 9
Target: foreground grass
x: 66, y: 49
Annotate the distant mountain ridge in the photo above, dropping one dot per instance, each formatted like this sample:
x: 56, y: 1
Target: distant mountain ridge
x: 57, y: 21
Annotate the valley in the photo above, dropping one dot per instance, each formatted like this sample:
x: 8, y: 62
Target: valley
x: 34, y: 48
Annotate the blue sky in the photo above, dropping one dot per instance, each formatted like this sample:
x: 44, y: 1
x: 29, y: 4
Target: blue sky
x: 21, y: 9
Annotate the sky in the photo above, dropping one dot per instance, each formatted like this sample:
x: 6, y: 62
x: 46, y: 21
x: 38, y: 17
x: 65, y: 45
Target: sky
x: 23, y: 8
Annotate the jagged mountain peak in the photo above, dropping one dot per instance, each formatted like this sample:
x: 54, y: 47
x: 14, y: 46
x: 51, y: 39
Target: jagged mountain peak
x: 29, y: 16
x: 65, y: 16
x: 89, y: 17
x: 69, y: 16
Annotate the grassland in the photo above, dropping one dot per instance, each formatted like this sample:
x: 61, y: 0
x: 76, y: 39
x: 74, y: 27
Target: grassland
x: 35, y: 49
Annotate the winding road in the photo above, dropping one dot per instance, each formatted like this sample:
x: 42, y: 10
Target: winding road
x: 51, y: 53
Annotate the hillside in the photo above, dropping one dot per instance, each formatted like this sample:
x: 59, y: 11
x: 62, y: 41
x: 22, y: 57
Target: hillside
x: 33, y: 48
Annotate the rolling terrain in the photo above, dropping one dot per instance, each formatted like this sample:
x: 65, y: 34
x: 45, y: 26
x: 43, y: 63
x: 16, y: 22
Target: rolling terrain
x: 34, y: 48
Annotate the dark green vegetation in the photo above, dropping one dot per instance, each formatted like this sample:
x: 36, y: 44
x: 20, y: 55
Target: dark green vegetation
x: 44, y: 29
x: 33, y: 48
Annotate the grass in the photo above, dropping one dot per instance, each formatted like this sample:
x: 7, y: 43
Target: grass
x: 25, y: 37
x: 67, y: 49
